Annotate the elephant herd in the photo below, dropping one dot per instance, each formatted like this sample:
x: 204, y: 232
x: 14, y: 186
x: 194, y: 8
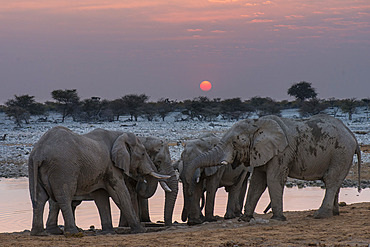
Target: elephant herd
x: 66, y: 168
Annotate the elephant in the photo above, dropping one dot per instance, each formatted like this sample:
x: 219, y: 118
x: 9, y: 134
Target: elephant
x: 209, y: 179
x: 159, y: 153
x: 64, y: 164
x: 320, y: 147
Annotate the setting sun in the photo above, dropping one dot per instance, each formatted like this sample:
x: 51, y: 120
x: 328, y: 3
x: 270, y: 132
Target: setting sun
x: 205, y: 85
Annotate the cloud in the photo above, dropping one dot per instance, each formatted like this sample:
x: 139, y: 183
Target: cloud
x: 260, y: 21
x: 291, y: 17
x: 267, y: 2
x: 194, y: 30
x: 218, y: 31
x: 297, y: 27
x: 223, y: 1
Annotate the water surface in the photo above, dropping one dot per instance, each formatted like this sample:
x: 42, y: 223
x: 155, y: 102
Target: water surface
x: 16, y: 209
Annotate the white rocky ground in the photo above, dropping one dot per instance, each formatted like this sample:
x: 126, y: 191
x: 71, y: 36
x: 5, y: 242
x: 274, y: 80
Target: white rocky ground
x: 16, y: 147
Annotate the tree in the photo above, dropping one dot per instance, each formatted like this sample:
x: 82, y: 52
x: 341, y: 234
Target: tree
x: 22, y: 107
x: 164, y: 107
x: 68, y: 100
x: 134, y: 103
x: 349, y: 106
x: 149, y: 110
x: 91, y: 109
x: 302, y: 90
x: 117, y: 107
x: 234, y: 109
x: 312, y: 107
x: 201, y: 108
x: 265, y: 106
x: 366, y: 104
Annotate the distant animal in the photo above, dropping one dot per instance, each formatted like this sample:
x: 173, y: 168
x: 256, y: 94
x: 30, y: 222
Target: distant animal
x: 3, y: 137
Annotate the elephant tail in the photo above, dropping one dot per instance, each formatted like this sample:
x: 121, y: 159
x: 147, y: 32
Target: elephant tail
x: 358, y: 152
x: 33, y: 167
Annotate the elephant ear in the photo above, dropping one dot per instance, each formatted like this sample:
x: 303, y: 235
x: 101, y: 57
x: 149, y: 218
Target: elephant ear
x: 209, y: 171
x: 268, y: 141
x: 120, y: 154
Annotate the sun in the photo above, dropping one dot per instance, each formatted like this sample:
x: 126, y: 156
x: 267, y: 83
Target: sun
x: 205, y: 85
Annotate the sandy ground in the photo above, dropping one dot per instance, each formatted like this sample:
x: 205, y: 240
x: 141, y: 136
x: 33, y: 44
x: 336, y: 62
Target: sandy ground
x: 350, y: 228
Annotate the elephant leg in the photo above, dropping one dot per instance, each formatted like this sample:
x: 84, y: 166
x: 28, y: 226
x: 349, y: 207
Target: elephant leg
x: 121, y: 196
x: 333, y: 179
x: 74, y: 205
x: 52, y: 221
x: 68, y: 216
x: 256, y: 188
x: 38, y: 204
x: 276, y: 179
x: 101, y: 199
x: 232, y: 200
x: 236, y: 197
x: 210, y: 200
x: 144, y: 209
x: 194, y: 214
x: 243, y: 191
x: 134, y: 202
x: 336, y: 203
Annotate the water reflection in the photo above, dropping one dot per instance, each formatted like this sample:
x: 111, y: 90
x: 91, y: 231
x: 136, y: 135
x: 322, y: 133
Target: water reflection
x: 16, y: 209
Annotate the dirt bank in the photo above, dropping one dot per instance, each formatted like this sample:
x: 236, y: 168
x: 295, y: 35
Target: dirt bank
x: 350, y: 228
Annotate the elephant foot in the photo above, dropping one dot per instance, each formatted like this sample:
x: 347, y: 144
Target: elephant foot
x: 106, y: 232
x: 39, y: 232
x: 168, y: 223
x: 323, y: 213
x: 54, y: 230
x: 192, y: 222
x: 138, y: 229
x: 210, y: 219
x: 231, y: 216
x: 245, y: 218
x: 71, y: 231
x: 278, y: 217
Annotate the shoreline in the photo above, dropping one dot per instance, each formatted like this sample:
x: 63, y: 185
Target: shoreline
x: 350, y: 228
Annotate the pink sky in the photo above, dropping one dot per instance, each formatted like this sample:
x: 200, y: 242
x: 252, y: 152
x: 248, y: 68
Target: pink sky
x: 166, y: 48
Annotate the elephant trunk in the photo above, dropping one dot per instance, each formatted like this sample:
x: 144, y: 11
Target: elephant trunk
x: 170, y: 196
x: 221, y: 154
x: 147, y: 188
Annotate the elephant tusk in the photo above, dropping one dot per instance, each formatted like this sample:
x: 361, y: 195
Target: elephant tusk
x: 224, y: 162
x: 159, y: 176
x: 165, y: 186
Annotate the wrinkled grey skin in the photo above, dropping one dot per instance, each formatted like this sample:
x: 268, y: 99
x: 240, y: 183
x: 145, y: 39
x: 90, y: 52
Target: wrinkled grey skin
x: 160, y: 155
x: 209, y: 179
x: 158, y: 152
x: 64, y: 164
x: 321, y: 147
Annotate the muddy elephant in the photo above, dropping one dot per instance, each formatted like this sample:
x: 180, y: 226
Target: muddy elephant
x: 64, y: 164
x: 158, y: 152
x: 320, y: 147
x: 208, y: 180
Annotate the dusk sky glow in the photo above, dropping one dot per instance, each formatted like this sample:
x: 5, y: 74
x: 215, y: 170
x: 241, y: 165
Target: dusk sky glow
x: 164, y: 49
